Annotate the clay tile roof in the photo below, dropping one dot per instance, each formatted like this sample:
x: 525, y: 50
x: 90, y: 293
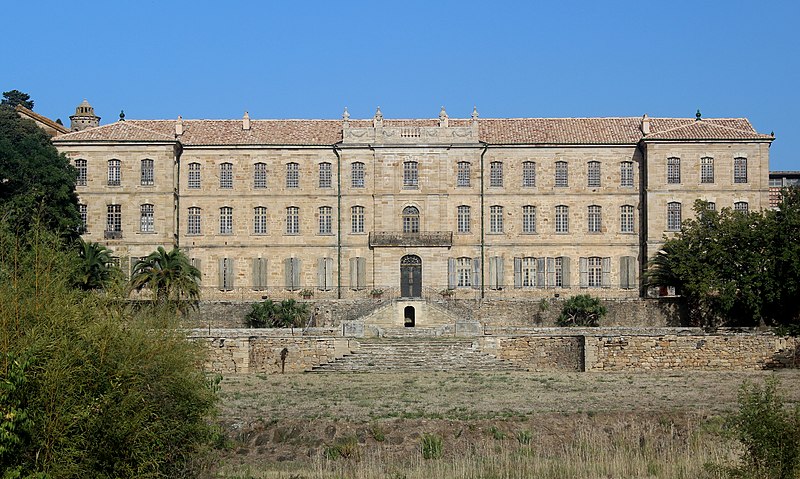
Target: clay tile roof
x: 41, y: 119
x: 560, y: 130
x: 706, y: 129
x: 120, y: 131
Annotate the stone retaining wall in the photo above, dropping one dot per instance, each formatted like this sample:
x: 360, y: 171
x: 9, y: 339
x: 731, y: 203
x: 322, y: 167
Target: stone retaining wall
x: 554, y: 353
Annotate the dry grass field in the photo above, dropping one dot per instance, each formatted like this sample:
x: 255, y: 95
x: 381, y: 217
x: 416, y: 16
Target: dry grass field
x: 503, y: 425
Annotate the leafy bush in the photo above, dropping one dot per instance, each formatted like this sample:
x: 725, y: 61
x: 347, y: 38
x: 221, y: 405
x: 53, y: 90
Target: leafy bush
x: 286, y: 314
x: 769, y: 432
x: 345, y: 448
x: 431, y: 446
x: 581, y: 310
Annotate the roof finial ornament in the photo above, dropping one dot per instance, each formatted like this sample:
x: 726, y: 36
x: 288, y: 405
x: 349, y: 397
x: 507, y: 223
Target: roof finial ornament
x: 377, y: 120
x: 474, y: 113
x: 443, y: 118
x: 345, y: 118
x: 246, y: 121
x: 697, y: 116
x: 122, y: 115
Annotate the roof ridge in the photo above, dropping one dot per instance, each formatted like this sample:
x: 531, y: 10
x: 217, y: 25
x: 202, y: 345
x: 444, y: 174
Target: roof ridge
x: 707, y: 122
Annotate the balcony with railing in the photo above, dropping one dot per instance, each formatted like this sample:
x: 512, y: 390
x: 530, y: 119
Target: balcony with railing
x: 399, y: 238
x: 113, y: 235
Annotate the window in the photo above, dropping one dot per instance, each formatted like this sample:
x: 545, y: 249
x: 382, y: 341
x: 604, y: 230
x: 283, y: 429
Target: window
x: 357, y: 174
x: 562, y: 174
x: 496, y: 271
x: 626, y: 218
x: 529, y: 219
x: 593, y: 174
x: 325, y: 274
x: 711, y: 206
x: 528, y: 174
x: 260, y: 220
x: 291, y: 271
x: 84, y: 212
x: 595, y: 272
x: 259, y: 176
x: 626, y: 174
x: 463, y: 174
x: 496, y: 173
x: 627, y: 272
x: 146, y: 219
x: 194, y: 175
x: 80, y: 165
x: 741, y: 206
x: 226, y: 220
x: 528, y: 272
x: 740, y: 170
x: 325, y: 220
x: 560, y: 272
x: 325, y: 175
x: 410, y: 178
x: 226, y: 274
x: 292, y: 175
x: 673, y: 216
x: 464, y: 272
x: 147, y: 175
x: 410, y: 219
x: 358, y: 273
x: 463, y: 219
x: 706, y: 170
x: 260, y: 271
x: 773, y: 182
x: 562, y: 219
x: 595, y: 219
x: 113, y: 173
x: 193, y: 226
x: 357, y: 219
x: 226, y: 175
x: 673, y: 170
x: 495, y: 219
x: 114, y: 218
x: 292, y: 220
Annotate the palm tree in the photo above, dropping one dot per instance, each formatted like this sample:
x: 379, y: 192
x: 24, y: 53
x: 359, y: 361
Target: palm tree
x: 169, y: 276
x: 95, y: 268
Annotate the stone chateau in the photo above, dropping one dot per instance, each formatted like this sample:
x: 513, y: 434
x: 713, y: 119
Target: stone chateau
x: 475, y: 208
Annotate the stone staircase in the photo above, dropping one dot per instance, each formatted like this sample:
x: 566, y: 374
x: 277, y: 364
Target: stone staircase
x: 417, y: 354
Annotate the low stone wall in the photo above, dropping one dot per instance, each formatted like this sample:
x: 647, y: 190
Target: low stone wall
x: 700, y: 352
x: 551, y: 353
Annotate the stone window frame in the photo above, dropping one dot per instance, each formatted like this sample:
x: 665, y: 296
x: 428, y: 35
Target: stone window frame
x: 226, y: 220
x: 562, y: 219
x: 463, y: 174
x: 114, y: 218
x: 411, y: 219
x: 529, y: 219
x: 82, y: 166
x: 496, y: 219
x: 626, y: 219
x: 260, y: 220
x: 740, y: 169
x: 357, y: 219
x: 193, y: 178
x: 226, y: 175
x: 147, y: 218
x: 464, y: 219
x: 673, y: 170
x: 193, y: 221
x: 259, y: 175
x: 626, y: 174
x: 496, y: 174
x: 292, y: 175
x: 357, y: 174
x: 411, y: 174
x: 561, y: 174
x: 707, y: 170
x: 325, y: 175
x: 674, y: 216
x: 325, y: 220
x: 594, y: 214
x: 292, y: 220
x: 593, y: 174
x: 147, y: 174
x: 114, y: 172
x: 528, y: 174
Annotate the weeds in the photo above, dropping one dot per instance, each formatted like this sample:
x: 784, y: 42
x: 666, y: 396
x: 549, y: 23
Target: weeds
x: 431, y: 446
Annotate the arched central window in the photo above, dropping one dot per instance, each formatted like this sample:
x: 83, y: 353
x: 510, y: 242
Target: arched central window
x: 410, y: 219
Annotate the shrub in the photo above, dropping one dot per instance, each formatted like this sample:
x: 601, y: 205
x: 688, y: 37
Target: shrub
x: 581, y: 310
x: 431, y: 446
x: 345, y: 448
x: 286, y: 314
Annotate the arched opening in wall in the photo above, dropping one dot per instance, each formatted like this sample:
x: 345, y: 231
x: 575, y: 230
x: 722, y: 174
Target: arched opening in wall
x: 411, y: 276
x: 410, y: 316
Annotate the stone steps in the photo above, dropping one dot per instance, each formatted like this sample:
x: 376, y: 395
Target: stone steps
x: 417, y: 354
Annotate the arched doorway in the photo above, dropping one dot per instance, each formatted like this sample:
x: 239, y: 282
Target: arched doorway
x: 409, y: 315
x: 411, y: 276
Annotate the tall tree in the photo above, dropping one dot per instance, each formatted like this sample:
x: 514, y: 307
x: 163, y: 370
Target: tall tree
x: 169, y: 276
x: 13, y: 98
x: 36, y: 182
x: 95, y: 268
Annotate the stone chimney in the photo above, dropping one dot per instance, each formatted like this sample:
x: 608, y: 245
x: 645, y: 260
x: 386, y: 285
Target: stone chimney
x: 246, y: 121
x: 179, y: 126
x: 443, y: 118
x: 645, y: 124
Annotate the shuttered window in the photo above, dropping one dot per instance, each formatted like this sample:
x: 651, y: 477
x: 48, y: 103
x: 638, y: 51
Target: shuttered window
x: 259, y: 274
x: 291, y: 273
x: 358, y: 273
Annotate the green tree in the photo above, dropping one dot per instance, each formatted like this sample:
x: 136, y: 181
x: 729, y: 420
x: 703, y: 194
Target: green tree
x: 286, y: 314
x: 35, y: 180
x: 95, y: 268
x: 169, y: 276
x: 13, y: 98
x: 581, y: 310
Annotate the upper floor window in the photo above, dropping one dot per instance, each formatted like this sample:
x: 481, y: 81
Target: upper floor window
x: 226, y: 175
x: 626, y: 174
x: 324, y: 175
x: 741, y: 206
x: 706, y: 169
x: 562, y: 174
x: 740, y: 170
x: 146, y: 220
x: 226, y: 220
x: 528, y: 174
x: 595, y: 219
x: 260, y: 220
x: 193, y: 221
x: 292, y: 220
x: 529, y: 219
x: 80, y: 165
x: 496, y: 173
x: 673, y: 216
x: 84, y: 212
x: 292, y: 175
x: 357, y: 219
x: 673, y: 170
x: 260, y: 175
x: 463, y: 219
x: 114, y: 218
x: 113, y: 173
x: 562, y: 219
x: 410, y: 174
x: 593, y: 174
x: 626, y: 218
x: 495, y: 219
x: 463, y: 174
x: 325, y: 221
x: 410, y: 219
x: 194, y: 175
x: 147, y: 175
x: 357, y: 174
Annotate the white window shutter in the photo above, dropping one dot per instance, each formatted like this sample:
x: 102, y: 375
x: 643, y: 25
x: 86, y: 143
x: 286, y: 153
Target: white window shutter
x: 583, y: 264
x: 605, y: 279
x: 517, y: 272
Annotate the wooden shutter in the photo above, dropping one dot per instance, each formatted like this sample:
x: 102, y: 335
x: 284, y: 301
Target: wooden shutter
x: 493, y: 272
x: 353, y: 273
x: 632, y: 266
x: 362, y: 272
x: 583, y: 264
x: 540, y: 272
x: 517, y: 272
x: 287, y: 273
x: 222, y: 274
x: 451, y: 273
x: 566, y: 280
x: 499, y: 268
x: 624, y: 281
x: 551, y: 272
x: 476, y: 273
x: 296, y: 273
x: 328, y: 273
x: 229, y: 274
x: 321, y: 274
x: 605, y: 279
x: 256, y: 274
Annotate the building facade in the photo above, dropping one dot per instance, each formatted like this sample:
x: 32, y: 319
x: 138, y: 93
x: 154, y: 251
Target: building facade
x: 470, y: 208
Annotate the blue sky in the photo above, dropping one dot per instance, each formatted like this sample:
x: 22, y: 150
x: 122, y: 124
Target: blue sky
x: 161, y: 59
